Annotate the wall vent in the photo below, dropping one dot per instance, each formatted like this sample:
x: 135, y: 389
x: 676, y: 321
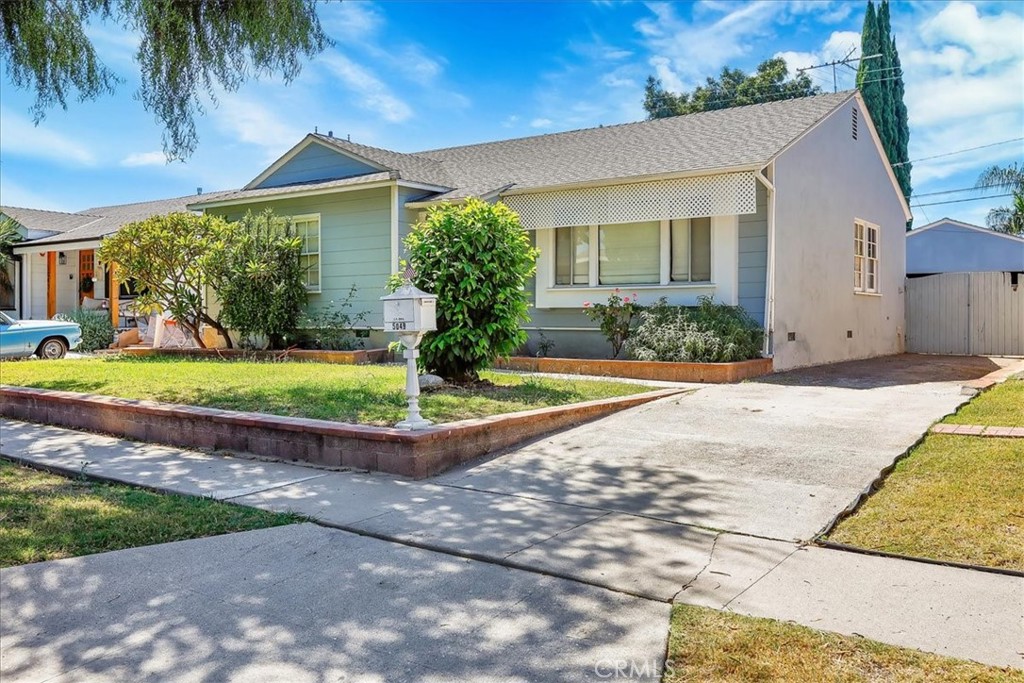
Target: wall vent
x: 853, y: 128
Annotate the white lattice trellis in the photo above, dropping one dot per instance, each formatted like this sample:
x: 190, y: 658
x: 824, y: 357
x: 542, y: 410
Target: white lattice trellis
x: 717, y: 195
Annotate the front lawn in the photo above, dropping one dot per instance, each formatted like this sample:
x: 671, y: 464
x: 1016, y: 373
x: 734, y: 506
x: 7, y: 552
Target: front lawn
x: 367, y: 394
x: 48, y: 517
x: 708, y: 645
x: 1000, y: 406
x: 954, y: 498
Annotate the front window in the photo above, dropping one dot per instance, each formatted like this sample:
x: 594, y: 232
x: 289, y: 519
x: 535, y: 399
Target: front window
x: 308, y: 229
x: 648, y: 253
x: 572, y: 256
x: 630, y: 254
x: 865, y: 258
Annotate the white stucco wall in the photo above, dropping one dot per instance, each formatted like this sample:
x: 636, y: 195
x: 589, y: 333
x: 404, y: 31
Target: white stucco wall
x: 824, y: 182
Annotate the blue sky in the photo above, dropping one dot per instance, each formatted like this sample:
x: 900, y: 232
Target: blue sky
x: 418, y: 75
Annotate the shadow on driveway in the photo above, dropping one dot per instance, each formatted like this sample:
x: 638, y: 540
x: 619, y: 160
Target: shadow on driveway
x: 889, y: 371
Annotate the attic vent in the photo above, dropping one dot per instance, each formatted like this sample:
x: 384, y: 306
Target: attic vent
x: 853, y: 128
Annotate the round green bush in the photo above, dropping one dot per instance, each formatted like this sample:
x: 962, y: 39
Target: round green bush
x: 97, y: 330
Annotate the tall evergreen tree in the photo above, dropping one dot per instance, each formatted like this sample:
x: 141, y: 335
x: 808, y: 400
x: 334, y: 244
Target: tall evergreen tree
x: 880, y: 81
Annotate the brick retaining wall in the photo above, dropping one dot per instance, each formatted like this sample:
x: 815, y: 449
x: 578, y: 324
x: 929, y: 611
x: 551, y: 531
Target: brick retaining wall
x: 715, y: 373
x: 337, y: 444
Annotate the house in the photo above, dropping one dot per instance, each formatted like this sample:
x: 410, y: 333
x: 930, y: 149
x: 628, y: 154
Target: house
x: 788, y: 209
x: 949, y: 246
x: 55, y: 266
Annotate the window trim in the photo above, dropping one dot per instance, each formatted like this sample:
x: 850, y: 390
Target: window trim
x: 319, y: 252
x: 863, y: 289
x: 665, y: 256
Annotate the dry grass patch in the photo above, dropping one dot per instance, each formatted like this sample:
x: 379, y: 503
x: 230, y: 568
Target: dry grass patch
x: 48, y: 517
x: 708, y: 645
x: 954, y: 498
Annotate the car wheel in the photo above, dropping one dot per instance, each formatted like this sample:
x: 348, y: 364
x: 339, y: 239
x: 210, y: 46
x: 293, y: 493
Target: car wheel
x: 52, y: 348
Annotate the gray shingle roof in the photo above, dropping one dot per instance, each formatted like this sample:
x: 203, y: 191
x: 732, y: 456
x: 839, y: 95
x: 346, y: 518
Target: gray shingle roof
x: 108, y: 219
x: 724, y: 138
x: 47, y: 221
x: 294, y: 188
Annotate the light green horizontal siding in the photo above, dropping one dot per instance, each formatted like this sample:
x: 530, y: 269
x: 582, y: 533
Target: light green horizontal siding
x: 355, y: 244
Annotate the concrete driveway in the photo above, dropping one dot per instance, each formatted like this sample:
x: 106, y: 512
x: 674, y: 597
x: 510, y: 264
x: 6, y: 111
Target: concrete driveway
x: 777, y: 457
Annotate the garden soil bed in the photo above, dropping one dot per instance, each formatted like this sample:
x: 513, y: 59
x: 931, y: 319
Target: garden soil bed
x: 713, y: 373
x: 357, y: 357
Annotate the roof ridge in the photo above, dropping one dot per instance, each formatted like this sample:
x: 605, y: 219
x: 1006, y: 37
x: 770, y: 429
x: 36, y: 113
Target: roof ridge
x: 63, y: 213
x: 706, y: 112
x: 150, y: 201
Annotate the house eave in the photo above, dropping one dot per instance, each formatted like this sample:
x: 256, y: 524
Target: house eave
x: 63, y: 245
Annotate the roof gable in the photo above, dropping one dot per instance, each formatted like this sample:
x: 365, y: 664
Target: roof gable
x: 312, y: 160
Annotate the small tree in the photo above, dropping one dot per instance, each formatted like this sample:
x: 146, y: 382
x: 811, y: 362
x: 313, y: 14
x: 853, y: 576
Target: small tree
x: 1009, y: 219
x: 168, y: 258
x: 259, y: 279
x: 9, y: 236
x: 476, y: 258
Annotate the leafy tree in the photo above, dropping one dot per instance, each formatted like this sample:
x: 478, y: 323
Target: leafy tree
x: 1008, y: 219
x: 733, y: 88
x: 188, y: 48
x: 476, y: 258
x: 880, y: 81
x: 259, y: 279
x: 168, y: 257
x: 9, y: 236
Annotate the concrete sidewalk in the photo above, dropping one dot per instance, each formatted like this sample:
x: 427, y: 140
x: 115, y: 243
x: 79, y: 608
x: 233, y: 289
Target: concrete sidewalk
x: 956, y: 612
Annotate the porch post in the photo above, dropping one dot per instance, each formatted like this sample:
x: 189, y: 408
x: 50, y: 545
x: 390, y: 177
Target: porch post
x: 114, y: 294
x: 51, y: 284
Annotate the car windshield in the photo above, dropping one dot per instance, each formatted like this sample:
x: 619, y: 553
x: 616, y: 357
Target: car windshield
x: 6, y: 319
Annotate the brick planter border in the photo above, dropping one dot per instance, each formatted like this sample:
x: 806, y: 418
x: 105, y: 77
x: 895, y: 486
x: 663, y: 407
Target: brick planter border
x: 357, y: 357
x: 336, y: 444
x: 714, y: 373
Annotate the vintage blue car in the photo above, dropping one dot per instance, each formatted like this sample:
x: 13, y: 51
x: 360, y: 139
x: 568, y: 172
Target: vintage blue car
x: 44, y: 338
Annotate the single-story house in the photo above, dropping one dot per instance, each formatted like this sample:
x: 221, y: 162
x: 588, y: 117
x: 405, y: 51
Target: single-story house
x: 55, y: 266
x: 950, y: 246
x: 788, y: 209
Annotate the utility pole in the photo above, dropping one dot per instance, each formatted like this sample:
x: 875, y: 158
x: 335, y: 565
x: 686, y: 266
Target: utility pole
x: 845, y: 61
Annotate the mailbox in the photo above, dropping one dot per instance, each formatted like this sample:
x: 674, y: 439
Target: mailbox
x: 410, y: 310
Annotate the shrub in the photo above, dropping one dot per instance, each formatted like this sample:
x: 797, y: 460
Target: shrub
x: 616, y: 318
x: 97, y: 329
x: 332, y: 328
x: 709, y: 333
x: 476, y: 258
x: 258, y: 276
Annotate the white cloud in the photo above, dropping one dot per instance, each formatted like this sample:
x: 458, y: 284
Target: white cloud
x: 144, y: 159
x: 248, y: 121
x: 510, y: 121
x: 685, y: 52
x: 19, y: 136
x: 374, y: 93
x: 541, y: 123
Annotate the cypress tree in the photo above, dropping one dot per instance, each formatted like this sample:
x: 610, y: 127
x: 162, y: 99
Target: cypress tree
x: 880, y: 81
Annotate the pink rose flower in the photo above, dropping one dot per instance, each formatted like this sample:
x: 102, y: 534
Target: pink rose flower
x: 586, y: 304
x: 625, y: 300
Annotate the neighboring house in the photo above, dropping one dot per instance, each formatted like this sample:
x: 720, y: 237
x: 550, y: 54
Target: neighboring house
x: 788, y: 209
x: 59, y: 253
x: 949, y: 246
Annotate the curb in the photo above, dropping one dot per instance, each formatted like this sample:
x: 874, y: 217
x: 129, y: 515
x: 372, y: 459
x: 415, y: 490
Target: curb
x: 843, y: 547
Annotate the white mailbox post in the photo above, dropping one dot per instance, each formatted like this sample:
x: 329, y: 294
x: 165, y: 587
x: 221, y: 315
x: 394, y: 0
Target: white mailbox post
x: 411, y: 313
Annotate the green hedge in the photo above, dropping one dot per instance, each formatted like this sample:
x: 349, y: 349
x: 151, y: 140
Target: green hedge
x: 97, y: 330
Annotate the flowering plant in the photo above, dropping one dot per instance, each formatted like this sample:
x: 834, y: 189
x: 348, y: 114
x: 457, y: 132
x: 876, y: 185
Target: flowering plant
x: 615, y: 316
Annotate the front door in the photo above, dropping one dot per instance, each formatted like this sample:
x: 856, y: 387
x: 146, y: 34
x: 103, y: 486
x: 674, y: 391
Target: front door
x: 86, y: 274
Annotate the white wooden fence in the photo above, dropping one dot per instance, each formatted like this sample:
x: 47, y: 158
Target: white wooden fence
x: 971, y: 314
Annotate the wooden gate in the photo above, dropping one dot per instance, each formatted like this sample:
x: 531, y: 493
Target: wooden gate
x: 967, y: 314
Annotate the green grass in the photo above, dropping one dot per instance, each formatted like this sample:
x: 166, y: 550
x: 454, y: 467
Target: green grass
x: 368, y: 394
x: 47, y: 517
x: 708, y: 645
x: 954, y: 498
x: 1000, y: 406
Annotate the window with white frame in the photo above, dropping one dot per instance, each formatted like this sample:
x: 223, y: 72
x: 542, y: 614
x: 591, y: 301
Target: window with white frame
x: 865, y: 258
x: 647, y: 253
x: 308, y: 229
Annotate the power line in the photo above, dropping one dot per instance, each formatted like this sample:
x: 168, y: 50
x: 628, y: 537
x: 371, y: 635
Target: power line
x: 957, y: 201
x: 960, y: 151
